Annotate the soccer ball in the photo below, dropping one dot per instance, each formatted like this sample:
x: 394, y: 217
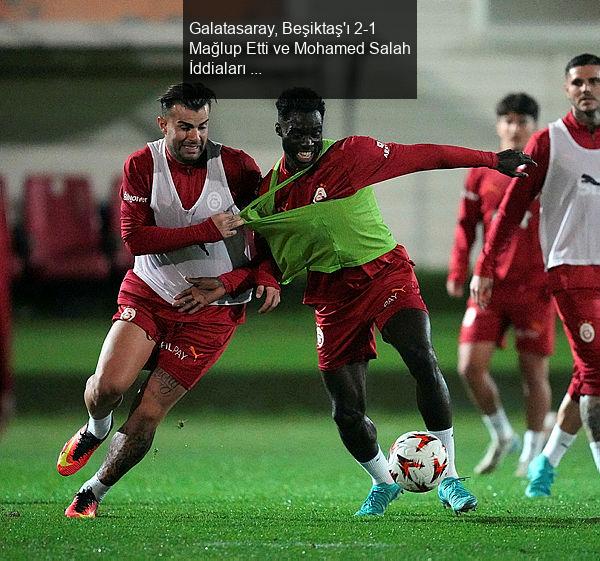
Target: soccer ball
x: 418, y: 461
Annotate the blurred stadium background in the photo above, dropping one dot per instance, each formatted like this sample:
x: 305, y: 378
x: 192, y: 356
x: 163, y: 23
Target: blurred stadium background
x: 79, y: 84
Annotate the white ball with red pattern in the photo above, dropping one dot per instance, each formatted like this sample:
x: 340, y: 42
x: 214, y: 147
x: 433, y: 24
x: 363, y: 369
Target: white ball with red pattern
x: 418, y: 461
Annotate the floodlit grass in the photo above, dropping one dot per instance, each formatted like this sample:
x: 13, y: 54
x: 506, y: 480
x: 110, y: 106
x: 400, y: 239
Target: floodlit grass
x: 263, y: 344
x: 241, y: 486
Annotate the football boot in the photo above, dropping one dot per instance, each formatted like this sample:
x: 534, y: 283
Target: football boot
x: 454, y: 495
x: 378, y: 499
x: 541, y: 476
x: 84, y: 505
x: 78, y: 450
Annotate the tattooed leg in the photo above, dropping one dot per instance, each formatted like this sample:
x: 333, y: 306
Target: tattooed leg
x: 133, y: 440
x: 590, y: 416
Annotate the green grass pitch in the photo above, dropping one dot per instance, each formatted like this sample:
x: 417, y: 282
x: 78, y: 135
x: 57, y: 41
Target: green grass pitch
x: 241, y: 486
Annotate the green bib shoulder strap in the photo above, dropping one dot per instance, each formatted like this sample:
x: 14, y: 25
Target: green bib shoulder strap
x: 324, y: 236
x: 265, y: 204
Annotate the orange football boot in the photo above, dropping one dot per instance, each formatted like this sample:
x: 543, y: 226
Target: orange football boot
x: 78, y: 450
x: 84, y: 505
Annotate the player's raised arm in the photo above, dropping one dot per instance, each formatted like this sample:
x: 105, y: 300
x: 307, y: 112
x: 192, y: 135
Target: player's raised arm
x: 371, y: 161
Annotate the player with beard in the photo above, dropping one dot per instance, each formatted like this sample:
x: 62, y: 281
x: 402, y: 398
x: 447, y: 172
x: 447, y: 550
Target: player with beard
x: 521, y: 299
x: 567, y: 181
x: 179, y: 198
x: 317, y: 212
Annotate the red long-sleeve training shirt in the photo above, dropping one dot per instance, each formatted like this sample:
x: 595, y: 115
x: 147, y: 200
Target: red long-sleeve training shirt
x: 521, y: 191
x: 138, y: 228
x: 522, y: 262
x: 351, y: 164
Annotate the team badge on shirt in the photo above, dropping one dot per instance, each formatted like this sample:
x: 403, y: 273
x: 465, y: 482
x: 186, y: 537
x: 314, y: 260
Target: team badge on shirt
x: 320, y: 194
x: 214, y: 201
x: 587, y: 333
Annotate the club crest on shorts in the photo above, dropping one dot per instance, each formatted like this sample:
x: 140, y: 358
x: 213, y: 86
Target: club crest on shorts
x: 214, y: 201
x: 587, y: 333
x: 469, y: 317
x: 128, y: 314
x: 320, y: 337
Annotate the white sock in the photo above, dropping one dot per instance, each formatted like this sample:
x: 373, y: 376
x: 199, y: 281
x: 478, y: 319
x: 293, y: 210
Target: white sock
x: 97, y: 487
x: 595, y: 448
x: 377, y: 468
x: 558, y: 443
x: 100, y: 427
x: 447, y: 438
x: 498, y: 425
x: 533, y: 442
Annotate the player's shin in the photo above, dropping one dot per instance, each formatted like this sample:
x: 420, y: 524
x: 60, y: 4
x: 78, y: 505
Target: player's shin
x: 100, y: 427
x: 557, y: 445
x: 377, y: 468
x: 447, y: 439
x: 96, y: 486
x: 533, y: 443
x: 126, y: 450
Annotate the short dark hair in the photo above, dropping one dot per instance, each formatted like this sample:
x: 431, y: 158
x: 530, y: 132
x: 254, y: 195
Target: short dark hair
x: 520, y: 103
x: 191, y: 95
x: 582, y: 60
x: 300, y: 99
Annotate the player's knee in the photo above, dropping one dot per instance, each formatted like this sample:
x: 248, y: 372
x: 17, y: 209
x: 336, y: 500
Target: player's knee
x: 533, y: 382
x: 347, y: 417
x: 421, y: 360
x: 101, y: 388
x: 470, y: 371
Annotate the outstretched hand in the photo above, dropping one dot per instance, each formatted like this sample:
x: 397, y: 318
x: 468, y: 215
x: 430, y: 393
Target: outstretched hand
x: 510, y: 160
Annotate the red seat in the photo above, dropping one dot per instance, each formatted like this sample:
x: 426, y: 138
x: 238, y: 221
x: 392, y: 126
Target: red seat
x: 9, y: 258
x: 121, y: 258
x: 63, y: 228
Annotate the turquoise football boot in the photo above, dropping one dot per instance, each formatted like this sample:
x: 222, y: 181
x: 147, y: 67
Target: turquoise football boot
x: 454, y: 495
x: 541, y: 476
x: 378, y: 499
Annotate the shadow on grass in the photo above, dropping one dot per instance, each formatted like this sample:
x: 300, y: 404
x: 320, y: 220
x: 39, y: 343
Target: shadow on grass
x: 254, y: 391
x: 560, y: 522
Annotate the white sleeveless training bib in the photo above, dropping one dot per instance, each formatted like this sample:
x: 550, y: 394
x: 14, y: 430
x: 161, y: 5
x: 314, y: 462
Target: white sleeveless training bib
x: 165, y: 272
x: 570, y: 202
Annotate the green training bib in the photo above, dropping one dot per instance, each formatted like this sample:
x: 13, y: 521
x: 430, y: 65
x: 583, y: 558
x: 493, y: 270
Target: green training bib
x: 325, y: 236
